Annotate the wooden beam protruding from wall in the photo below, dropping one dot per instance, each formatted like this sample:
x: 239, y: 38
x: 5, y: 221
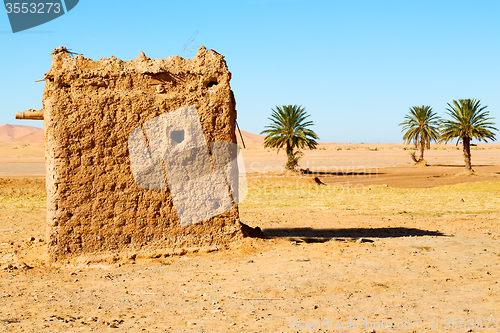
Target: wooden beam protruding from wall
x: 30, y: 114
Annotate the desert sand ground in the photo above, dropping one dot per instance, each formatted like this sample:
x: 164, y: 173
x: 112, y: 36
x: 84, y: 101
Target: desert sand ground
x: 383, y: 242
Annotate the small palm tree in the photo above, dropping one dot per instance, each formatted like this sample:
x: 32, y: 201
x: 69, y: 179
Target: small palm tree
x: 289, y: 130
x: 469, y: 120
x: 421, y: 126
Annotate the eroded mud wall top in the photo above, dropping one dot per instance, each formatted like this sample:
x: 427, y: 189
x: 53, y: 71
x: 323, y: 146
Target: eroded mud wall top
x: 90, y: 108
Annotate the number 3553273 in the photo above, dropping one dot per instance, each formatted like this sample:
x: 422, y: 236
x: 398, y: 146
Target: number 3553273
x: 33, y: 8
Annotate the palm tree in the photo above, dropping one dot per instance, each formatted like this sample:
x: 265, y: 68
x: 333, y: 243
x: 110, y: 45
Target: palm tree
x: 421, y: 126
x: 288, y: 130
x: 469, y: 120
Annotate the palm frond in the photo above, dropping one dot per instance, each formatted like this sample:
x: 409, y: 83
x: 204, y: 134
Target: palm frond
x: 421, y: 123
x: 468, y: 121
x: 289, y: 129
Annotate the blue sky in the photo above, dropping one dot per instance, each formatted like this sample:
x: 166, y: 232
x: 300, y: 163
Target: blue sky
x: 357, y: 66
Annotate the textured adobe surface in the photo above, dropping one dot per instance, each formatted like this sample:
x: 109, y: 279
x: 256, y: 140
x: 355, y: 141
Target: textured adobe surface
x: 90, y: 108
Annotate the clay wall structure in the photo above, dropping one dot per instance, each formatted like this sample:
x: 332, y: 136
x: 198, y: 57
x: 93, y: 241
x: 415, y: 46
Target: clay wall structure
x: 102, y: 201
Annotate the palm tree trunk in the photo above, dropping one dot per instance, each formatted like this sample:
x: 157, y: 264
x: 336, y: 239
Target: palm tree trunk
x: 422, y: 148
x: 289, y: 151
x: 468, y: 165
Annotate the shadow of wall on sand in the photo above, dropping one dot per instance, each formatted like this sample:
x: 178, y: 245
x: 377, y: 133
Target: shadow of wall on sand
x: 327, y: 234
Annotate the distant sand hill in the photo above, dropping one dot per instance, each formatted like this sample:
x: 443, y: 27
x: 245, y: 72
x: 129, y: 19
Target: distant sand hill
x: 249, y: 138
x: 20, y: 133
x: 35, y: 134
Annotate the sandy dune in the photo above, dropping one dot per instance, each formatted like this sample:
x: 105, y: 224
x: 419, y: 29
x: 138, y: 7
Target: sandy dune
x: 36, y: 136
x: 12, y: 132
x: 248, y: 138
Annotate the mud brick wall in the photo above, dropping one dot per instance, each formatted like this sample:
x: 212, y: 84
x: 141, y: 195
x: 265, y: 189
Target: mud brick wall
x: 90, y: 108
